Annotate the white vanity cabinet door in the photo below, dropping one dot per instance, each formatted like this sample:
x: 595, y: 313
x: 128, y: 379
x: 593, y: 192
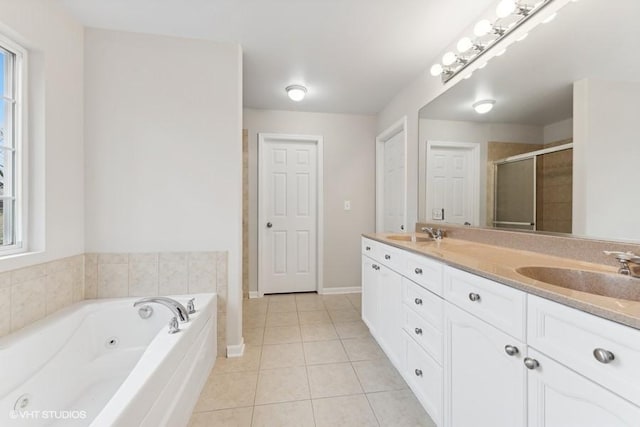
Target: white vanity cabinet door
x: 389, y: 329
x: 484, y: 386
x: 424, y: 376
x: 370, y: 293
x: 369, y: 247
x: 559, y: 397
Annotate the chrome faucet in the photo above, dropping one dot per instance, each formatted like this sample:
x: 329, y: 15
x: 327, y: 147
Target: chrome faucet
x: 629, y: 263
x: 437, y: 233
x: 179, y: 311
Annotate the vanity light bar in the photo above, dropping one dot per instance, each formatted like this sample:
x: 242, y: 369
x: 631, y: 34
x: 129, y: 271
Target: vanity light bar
x: 470, y: 50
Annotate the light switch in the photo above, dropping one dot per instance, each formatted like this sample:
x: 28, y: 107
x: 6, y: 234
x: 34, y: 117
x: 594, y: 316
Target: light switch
x: 347, y: 205
x: 437, y: 214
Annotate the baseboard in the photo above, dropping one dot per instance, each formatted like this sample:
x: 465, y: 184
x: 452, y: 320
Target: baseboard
x: 338, y: 291
x: 255, y: 294
x: 235, y: 350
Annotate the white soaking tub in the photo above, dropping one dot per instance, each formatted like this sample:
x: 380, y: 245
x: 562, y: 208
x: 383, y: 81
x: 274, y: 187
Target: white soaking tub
x: 98, y: 363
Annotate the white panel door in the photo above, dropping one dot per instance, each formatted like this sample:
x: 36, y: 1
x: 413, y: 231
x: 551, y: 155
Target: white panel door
x: 289, y: 214
x: 394, y: 184
x: 450, y: 188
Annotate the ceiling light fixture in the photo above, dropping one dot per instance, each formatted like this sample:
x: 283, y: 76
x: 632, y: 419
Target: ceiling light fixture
x: 511, y: 14
x: 296, y: 92
x: 484, y: 106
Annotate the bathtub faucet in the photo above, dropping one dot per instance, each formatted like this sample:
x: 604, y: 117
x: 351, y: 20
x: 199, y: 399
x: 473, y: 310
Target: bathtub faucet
x: 176, y: 308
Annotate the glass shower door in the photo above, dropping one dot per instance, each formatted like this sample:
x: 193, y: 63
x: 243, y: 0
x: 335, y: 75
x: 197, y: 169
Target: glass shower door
x: 515, y: 194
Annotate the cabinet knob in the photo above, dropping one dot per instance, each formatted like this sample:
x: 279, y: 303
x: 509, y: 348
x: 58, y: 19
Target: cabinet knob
x: 418, y: 372
x: 474, y: 297
x: 269, y: 225
x: 387, y: 257
x: 531, y: 363
x: 603, y: 356
x: 418, y: 271
x: 418, y: 301
x: 368, y: 248
x: 375, y: 267
x: 418, y: 331
x: 511, y: 350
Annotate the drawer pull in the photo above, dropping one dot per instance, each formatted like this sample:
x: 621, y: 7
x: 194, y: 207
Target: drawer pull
x: 387, y: 257
x: 474, y: 297
x: 418, y: 372
x: 603, y: 356
x: 418, y: 271
x: 418, y: 301
x: 531, y: 363
x: 368, y: 248
x: 418, y: 331
x: 375, y: 267
x: 511, y: 350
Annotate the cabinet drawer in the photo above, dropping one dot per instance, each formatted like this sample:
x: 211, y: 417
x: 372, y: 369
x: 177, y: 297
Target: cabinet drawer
x: 571, y: 337
x: 424, y: 334
x: 428, y: 305
x: 496, y: 304
x: 391, y: 257
x: 425, y: 272
x: 425, y: 377
x: 369, y: 247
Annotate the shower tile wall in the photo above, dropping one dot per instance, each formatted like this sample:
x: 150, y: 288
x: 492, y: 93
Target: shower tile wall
x: 555, y: 191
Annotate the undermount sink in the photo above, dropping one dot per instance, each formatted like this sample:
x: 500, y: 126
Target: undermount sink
x: 410, y: 238
x: 604, y: 284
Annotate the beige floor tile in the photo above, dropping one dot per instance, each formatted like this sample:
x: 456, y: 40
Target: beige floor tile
x: 286, y: 318
x: 253, y: 336
x: 399, y: 409
x: 278, y: 306
x: 290, y: 414
x: 346, y: 411
x: 282, y: 356
x: 355, y: 300
x: 224, y: 391
x: 249, y: 362
x: 282, y: 335
x: 346, y: 315
x: 378, y: 375
x: 319, y: 352
x: 362, y: 349
x: 314, y: 317
x: 336, y: 302
x: 238, y: 417
x: 281, y: 297
x: 255, y: 305
x: 357, y: 329
x: 337, y: 379
x: 282, y: 385
x: 310, y: 303
x: 323, y: 332
x: 254, y: 320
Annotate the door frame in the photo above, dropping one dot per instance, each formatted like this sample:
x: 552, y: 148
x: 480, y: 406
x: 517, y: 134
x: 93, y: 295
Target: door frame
x: 266, y: 138
x: 386, y: 135
x: 474, y: 148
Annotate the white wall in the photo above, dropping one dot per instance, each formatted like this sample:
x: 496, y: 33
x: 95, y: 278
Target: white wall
x: 349, y: 174
x: 163, y: 149
x: 54, y: 41
x: 558, y: 131
x: 606, y: 155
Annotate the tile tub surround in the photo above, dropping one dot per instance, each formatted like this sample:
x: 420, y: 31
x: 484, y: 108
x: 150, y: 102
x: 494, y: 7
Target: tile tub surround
x: 499, y: 264
x: 31, y: 293
x: 322, y: 369
x: 112, y: 275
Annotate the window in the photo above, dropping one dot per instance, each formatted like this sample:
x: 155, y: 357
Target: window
x: 12, y: 207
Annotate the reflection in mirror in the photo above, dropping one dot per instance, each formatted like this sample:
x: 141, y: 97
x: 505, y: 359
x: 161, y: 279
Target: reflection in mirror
x: 558, y: 151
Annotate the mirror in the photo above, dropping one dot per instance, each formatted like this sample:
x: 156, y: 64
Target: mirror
x: 559, y: 151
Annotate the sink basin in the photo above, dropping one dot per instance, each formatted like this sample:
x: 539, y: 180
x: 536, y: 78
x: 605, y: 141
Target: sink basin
x: 410, y: 238
x: 604, y: 284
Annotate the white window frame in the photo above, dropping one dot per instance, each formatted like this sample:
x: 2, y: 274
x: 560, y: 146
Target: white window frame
x: 19, y: 135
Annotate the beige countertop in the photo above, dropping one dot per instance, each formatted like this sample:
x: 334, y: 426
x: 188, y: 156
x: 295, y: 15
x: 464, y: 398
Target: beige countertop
x: 500, y: 264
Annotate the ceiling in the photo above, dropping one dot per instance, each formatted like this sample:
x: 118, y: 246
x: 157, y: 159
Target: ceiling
x: 353, y: 55
x: 532, y: 82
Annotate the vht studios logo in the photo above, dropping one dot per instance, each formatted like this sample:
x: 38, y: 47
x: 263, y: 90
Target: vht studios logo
x: 47, y: 415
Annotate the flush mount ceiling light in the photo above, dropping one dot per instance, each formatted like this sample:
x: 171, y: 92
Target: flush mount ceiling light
x: 296, y: 92
x: 484, y: 106
x: 511, y: 14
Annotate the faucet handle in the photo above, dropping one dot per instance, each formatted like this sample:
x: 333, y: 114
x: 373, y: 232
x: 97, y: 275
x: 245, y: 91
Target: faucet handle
x: 191, y: 307
x: 173, y: 325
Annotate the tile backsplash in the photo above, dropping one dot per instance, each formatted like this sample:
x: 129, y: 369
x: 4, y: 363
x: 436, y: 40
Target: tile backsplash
x: 29, y: 294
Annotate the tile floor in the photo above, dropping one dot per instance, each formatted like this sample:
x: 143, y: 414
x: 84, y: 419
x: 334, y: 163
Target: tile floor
x: 309, y: 361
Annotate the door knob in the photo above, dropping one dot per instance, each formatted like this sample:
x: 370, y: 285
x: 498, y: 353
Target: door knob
x: 269, y: 225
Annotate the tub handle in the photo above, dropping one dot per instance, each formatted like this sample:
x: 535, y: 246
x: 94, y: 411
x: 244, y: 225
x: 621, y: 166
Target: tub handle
x: 173, y: 325
x: 191, y: 307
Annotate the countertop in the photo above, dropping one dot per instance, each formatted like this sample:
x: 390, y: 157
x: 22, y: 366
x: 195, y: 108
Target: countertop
x: 500, y: 264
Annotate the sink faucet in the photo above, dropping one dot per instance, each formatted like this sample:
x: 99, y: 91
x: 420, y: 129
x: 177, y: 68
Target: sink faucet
x: 629, y: 263
x: 179, y: 311
x: 437, y: 233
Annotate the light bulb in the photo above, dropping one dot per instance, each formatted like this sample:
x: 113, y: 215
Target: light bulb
x: 436, y: 70
x: 464, y: 44
x: 296, y: 92
x: 482, y: 28
x: 505, y: 8
x: 484, y: 106
x: 449, y: 58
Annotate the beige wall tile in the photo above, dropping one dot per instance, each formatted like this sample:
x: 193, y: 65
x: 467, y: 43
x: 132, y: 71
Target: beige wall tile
x: 28, y: 302
x: 5, y: 280
x: 173, y: 273
x: 202, y: 272
x: 27, y: 274
x: 113, y: 258
x: 5, y: 311
x: 91, y: 276
x: 143, y: 275
x: 113, y: 280
x: 60, y: 285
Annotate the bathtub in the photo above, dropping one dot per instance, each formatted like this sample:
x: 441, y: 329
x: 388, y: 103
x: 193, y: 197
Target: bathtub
x: 98, y: 363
